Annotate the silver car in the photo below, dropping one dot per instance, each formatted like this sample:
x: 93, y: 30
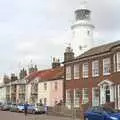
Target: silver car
x: 35, y: 109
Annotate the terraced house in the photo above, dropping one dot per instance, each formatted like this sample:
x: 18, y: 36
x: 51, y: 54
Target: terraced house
x: 46, y: 86
x: 94, y: 76
x: 12, y: 88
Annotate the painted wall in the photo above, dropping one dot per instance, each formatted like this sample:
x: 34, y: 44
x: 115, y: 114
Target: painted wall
x: 42, y: 93
x: 3, y: 94
x: 17, y: 93
x: 56, y: 94
x: 51, y: 93
x: 28, y: 93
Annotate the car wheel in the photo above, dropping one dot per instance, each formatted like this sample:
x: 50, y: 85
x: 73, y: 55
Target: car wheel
x: 85, y: 118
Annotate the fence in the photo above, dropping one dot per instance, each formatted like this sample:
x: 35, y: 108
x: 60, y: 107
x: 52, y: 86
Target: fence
x: 62, y: 110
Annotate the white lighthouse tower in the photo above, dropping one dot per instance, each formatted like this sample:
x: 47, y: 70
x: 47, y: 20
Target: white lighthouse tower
x: 82, y: 30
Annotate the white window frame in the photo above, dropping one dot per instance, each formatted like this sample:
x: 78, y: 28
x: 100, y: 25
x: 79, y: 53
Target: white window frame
x: 118, y: 61
x: 68, y: 72
x: 77, y: 97
x: 56, y: 85
x: 95, y: 96
x: 76, y: 71
x: 85, y: 70
x: 45, y: 86
x: 84, y: 98
x: 106, y: 66
x: 68, y: 97
x: 114, y: 63
x: 95, y: 68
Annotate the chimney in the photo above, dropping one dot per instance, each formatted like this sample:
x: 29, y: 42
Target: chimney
x: 55, y: 63
x: 69, y: 54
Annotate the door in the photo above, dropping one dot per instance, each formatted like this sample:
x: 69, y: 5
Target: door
x: 107, y: 93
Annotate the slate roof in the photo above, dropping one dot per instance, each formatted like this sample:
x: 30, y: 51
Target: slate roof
x: 100, y: 49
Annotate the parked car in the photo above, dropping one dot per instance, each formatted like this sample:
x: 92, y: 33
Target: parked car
x: 1, y: 106
x: 5, y: 106
x: 13, y: 107
x: 20, y: 108
x: 101, y: 113
x: 35, y: 109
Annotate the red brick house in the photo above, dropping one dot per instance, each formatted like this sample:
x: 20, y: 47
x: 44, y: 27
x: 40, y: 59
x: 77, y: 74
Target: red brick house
x: 93, y: 77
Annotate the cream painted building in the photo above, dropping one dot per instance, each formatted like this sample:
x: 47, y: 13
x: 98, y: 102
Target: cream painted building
x: 45, y: 86
x: 50, y: 92
x: 2, y: 93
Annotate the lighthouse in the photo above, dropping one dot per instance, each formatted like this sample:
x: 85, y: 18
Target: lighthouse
x: 82, y: 30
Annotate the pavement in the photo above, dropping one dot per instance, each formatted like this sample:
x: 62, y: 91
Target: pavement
x: 6, y: 115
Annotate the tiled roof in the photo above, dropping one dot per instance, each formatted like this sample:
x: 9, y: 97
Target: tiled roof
x: 46, y: 75
x: 31, y: 75
x: 100, y: 49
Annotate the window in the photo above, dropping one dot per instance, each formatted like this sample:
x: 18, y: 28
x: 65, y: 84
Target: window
x: 95, y: 68
x: 118, y: 61
x: 22, y: 89
x: 68, y: 73
x: 45, y: 101
x: 95, y: 96
x: 34, y: 87
x: 88, y: 32
x: 76, y: 71
x: 56, y: 85
x: 85, y: 70
x: 45, y: 86
x: 77, y: 95
x: 68, y: 96
x: 106, y: 66
x: 85, y: 96
x: 114, y: 62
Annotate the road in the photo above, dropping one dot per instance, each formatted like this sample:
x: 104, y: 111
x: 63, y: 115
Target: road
x: 6, y: 115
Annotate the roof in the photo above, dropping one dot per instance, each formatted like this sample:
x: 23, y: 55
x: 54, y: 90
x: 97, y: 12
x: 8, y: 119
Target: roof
x: 100, y: 49
x: 46, y: 75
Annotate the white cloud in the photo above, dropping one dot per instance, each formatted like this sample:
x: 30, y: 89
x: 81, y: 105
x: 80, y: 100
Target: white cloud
x: 39, y: 29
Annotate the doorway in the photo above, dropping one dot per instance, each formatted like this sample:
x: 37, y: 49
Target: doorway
x: 107, y: 93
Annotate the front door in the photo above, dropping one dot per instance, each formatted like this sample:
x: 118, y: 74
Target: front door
x: 107, y: 93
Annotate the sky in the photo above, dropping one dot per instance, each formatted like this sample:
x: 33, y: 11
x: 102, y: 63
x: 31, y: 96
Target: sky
x: 37, y: 30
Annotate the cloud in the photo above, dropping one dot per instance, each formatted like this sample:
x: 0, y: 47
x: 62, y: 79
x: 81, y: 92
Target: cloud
x: 39, y: 29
